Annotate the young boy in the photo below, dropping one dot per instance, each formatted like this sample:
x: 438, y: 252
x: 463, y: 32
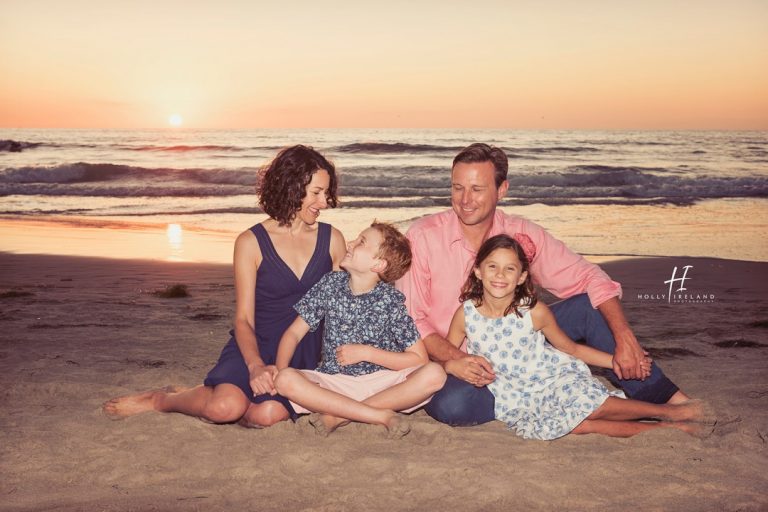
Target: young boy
x: 373, y: 362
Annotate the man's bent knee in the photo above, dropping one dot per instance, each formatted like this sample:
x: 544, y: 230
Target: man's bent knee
x: 461, y: 404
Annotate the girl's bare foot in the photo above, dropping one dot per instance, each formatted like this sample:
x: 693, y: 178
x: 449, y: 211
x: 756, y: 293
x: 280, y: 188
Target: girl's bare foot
x: 697, y: 411
x: 692, y: 410
x: 130, y: 405
x: 698, y: 430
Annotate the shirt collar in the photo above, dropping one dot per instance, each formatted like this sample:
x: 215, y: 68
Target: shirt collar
x: 454, y: 226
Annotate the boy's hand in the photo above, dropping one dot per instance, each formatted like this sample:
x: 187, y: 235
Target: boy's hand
x: 351, y: 354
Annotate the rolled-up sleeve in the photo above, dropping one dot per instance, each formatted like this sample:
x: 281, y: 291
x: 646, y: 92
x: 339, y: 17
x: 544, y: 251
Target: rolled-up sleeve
x: 415, y: 284
x: 565, y: 273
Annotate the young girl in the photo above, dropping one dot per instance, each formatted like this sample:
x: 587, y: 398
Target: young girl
x: 543, y: 390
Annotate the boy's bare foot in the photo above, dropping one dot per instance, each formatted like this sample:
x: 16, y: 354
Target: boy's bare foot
x: 130, y: 405
x: 398, y: 426
x: 325, y: 424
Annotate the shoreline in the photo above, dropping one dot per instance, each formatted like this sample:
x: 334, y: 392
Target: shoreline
x: 77, y: 331
x: 731, y: 229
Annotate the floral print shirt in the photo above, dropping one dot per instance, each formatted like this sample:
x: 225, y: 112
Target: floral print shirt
x: 377, y: 318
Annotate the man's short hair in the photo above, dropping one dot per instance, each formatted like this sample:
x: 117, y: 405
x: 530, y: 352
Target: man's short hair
x: 479, y: 152
x: 395, y: 249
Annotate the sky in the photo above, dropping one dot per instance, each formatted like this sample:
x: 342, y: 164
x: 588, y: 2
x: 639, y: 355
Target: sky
x: 396, y: 64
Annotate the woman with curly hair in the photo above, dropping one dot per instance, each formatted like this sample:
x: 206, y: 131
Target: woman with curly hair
x: 276, y: 262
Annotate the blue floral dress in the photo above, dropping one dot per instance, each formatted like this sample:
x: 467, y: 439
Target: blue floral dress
x: 540, y: 391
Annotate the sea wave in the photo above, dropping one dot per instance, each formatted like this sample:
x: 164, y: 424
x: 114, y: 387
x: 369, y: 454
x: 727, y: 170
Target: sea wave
x: 182, y: 148
x: 383, y: 148
x: 82, y: 172
x: 16, y: 146
x: 573, y: 182
x: 394, y: 147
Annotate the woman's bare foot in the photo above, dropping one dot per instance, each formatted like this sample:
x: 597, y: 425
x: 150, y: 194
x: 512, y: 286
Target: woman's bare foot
x: 130, y: 405
x: 325, y: 424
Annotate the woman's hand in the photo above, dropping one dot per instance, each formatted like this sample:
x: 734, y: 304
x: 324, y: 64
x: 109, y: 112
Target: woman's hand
x: 473, y: 369
x: 645, y: 365
x: 262, y: 379
x: 351, y: 354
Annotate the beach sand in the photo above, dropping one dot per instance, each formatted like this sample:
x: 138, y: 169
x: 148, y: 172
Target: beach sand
x: 75, y: 332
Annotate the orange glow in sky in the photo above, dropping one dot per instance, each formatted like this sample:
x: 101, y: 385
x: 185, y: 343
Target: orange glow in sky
x: 481, y: 64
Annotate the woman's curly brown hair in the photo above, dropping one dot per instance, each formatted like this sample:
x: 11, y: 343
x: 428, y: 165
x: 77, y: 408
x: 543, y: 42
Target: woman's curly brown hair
x: 525, y: 294
x: 283, y: 183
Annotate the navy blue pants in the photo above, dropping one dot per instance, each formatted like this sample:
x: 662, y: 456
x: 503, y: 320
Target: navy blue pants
x: 460, y: 403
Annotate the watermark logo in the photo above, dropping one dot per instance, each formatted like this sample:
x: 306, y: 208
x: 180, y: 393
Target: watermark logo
x: 682, y: 279
x: 681, y: 294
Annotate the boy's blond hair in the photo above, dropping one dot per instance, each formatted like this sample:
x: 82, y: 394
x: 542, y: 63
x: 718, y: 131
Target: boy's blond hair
x: 395, y: 249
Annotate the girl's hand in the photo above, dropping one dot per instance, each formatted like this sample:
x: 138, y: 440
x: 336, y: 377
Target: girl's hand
x: 262, y: 379
x: 473, y: 369
x: 351, y: 354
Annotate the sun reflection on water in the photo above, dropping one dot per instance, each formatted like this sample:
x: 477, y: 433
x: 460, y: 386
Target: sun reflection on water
x: 175, y: 240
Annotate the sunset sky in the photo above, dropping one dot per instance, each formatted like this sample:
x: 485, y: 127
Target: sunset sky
x: 476, y: 64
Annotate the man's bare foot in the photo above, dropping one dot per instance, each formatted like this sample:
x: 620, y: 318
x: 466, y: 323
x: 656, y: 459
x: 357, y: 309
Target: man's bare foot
x: 398, y: 426
x: 325, y: 424
x: 130, y: 405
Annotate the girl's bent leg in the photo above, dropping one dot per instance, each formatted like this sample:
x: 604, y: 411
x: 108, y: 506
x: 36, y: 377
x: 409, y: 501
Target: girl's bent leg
x: 615, y: 428
x: 618, y: 409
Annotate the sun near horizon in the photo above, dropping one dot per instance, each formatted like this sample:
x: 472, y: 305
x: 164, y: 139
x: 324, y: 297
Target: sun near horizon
x: 491, y: 64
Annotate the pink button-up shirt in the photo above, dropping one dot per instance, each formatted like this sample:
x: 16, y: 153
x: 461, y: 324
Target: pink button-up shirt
x: 442, y: 260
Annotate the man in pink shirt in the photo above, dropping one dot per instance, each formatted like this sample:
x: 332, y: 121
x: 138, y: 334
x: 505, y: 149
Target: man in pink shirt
x: 444, y: 246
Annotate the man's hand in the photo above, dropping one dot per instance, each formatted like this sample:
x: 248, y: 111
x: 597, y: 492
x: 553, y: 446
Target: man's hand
x: 262, y: 379
x: 351, y: 354
x: 629, y: 357
x: 473, y: 369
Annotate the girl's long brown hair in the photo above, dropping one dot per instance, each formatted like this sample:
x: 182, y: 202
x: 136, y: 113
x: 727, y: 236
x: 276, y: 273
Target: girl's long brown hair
x: 525, y: 294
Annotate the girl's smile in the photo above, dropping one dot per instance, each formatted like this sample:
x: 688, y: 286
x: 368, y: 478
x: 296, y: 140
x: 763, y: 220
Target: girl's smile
x: 501, y: 272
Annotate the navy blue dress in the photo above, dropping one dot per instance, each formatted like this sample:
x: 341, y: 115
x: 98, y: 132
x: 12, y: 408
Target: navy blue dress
x: 277, y: 290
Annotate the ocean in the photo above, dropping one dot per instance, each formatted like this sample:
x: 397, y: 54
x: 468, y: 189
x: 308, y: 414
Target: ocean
x: 205, y: 180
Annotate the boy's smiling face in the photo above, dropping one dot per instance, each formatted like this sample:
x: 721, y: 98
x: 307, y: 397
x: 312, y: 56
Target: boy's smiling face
x: 363, y: 253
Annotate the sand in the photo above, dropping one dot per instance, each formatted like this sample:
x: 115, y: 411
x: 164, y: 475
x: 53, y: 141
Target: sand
x: 75, y: 332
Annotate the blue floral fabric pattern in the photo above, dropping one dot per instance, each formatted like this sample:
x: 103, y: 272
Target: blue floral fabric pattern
x: 377, y: 318
x: 539, y: 391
